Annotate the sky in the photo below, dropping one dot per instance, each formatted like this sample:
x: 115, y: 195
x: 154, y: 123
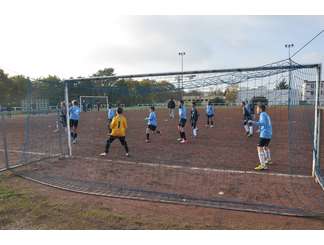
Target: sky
x: 71, y: 40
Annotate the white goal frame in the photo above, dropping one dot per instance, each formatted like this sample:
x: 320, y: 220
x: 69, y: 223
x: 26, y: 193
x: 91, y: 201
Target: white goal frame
x: 94, y: 96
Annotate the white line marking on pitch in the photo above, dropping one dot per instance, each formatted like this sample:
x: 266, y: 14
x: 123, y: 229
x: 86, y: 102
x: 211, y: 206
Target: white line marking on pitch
x: 176, y: 166
x: 196, y: 168
x: 27, y: 152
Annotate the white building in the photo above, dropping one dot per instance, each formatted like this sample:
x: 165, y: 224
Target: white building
x: 274, y: 96
x: 308, y: 92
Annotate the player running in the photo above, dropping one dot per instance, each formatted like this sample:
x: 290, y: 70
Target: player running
x: 246, y: 118
x: 210, y: 115
x: 118, y: 131
x: 151, y: 124
x: 263, y: 149
x: 194, y: 118
x: 74, y: 120
x: 182, y: 122
x: 111, y: 114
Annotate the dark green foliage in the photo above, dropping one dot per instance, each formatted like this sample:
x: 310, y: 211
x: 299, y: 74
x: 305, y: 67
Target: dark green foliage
x: 282, y: 85
x: 130, y: 92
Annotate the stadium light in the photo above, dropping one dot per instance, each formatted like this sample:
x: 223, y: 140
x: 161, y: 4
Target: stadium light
x: 289, y: 46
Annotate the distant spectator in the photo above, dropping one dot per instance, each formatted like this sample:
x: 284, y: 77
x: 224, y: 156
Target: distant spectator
x: 171, y: 107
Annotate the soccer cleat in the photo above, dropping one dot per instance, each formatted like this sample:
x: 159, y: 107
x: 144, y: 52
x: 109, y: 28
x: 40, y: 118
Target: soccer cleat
x: 103, y: 154
x: 249, y: 135
x: 269, y: 162
x: 211, y: 126
x: 74, y: 141
x: 260, y: 167
x: 183, y: 141
x: 147, y: 141
x: 179, y: 139
x: 127, y: 154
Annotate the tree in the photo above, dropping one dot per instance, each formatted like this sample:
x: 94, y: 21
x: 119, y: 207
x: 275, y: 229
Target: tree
x: 104, y: 72
x: 18, y: 89
x: 231, y: 93
x: 282, y: 85
x: 4, y: 88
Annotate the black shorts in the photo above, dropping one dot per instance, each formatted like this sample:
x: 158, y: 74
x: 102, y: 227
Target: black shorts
x: 263, y: 142
x: 74, y: 123
x: 210, y: 116
x: 182, y: 122
x: 152, y: 127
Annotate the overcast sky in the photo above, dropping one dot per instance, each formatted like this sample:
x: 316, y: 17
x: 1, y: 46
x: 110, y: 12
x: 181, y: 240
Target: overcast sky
x: 73, y: 40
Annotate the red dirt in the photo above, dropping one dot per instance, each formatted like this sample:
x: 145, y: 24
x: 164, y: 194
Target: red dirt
x: 222, y: 147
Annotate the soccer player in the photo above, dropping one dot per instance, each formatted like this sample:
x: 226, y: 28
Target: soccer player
x: 182, y: 122
x: 263, y: 149
x: 171, y: 107
x: 246, y: 120
x: 63, y: 114
x: 74, y: 120
x: 151, y: 124
x: 118, y: 127
x: 210, y: 115
x: 111, y: 114
x: 194, y: 118
x: 251, y: 108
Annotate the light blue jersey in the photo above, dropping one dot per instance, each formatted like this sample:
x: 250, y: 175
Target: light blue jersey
x: 75, y: 112
x: 152, y: 119
x: 210, y: 110
x: 265, y: 126
x: 182, y: 112
x: 111, y: 113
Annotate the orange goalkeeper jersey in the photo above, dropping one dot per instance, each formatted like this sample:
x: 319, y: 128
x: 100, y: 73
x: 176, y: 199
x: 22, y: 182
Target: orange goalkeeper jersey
x: 118, y: 126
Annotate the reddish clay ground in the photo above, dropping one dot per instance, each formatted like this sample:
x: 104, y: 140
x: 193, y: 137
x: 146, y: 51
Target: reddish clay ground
x: 150, y: 165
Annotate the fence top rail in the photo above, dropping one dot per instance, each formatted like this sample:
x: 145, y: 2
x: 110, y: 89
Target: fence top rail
x: 260, y: 68
x: 92, y: 96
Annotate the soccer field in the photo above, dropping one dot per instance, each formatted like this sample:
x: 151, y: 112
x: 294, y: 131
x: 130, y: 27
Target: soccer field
x: 215, y: 169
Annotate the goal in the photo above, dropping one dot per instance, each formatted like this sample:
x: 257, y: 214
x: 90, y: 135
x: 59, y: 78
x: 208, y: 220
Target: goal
x: 91, y: 102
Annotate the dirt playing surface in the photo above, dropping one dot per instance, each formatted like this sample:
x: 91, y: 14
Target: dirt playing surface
x: 26, y: 205
x: 194, y: 169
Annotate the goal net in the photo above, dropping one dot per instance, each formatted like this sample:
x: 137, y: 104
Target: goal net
x: 214, y: 169
x: 93, y: 103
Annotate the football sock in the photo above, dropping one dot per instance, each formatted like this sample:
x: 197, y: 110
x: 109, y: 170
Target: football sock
x: 147, y: 136
x: 246, y: 127
x: 267, y: 154
x: 261, y: 157
x: 126, y: 147
x: 251, y: 129
x: 184, y: 136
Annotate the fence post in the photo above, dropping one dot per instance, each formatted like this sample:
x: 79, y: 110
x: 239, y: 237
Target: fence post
x: 317, y: 130
x: 5, y: 145
x: 66, y: 91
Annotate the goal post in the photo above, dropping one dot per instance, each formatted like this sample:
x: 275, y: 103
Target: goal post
x: 94, y: 97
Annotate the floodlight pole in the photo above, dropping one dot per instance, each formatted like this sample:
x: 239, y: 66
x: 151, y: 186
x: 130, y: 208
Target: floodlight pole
x: 181, y: 87
x: 289, y: 46
x: 66, y: 92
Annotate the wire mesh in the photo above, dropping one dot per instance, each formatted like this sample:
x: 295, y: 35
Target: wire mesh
x: 214, y: 169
